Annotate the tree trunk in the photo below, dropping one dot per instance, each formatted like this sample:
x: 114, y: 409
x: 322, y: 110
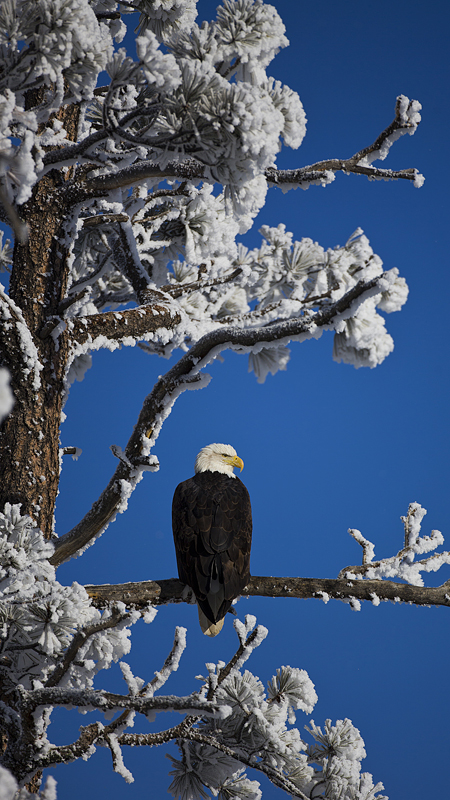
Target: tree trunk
x: 29, y: 438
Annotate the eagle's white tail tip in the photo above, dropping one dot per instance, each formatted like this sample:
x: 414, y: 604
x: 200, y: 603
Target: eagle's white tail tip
x: 209, y: 628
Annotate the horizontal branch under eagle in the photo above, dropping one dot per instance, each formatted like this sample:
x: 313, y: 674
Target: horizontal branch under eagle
x: 171, y: 590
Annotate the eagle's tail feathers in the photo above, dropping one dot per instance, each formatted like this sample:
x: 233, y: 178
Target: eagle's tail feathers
x: 209, y: 628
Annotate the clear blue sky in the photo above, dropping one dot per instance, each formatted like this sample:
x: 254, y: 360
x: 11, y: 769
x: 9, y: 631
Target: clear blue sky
x: 325, y: 447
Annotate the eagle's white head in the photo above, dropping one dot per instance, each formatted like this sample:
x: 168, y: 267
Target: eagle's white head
x: 218, y: 458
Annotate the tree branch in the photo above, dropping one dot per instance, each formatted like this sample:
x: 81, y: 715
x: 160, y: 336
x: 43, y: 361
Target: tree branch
x: 158, y: 403
x: 108, y: 701
x: 360, y: 163
x: 127, y: 259
x: 317, y: 173
x: 72, y: 152
x: 156, y: 313
x: 274, y: 776
x: 170, y: 665
x: 78, y: 641
x: 103, y: 701
x: 194, y: 735
x: 178, y: 289
x: 185, y: 731
x: 139, y: 595
x: 190, y: 169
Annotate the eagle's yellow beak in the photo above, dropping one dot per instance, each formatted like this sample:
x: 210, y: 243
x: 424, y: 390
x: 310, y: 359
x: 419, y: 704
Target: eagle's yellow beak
x: 235, y: 461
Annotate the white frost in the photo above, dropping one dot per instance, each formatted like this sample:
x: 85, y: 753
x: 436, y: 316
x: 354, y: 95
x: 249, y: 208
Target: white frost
x: 6, y: 395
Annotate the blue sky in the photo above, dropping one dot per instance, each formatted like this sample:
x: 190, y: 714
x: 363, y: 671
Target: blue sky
x: 326, y: 447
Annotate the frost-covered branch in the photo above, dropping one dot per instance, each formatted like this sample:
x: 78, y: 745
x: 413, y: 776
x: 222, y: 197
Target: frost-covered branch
x: 365, y: 582
x: 247, y: 645
x: 158, y: 403
x: 108, y: 701
x: 78, y: 641
x: 161, y: 592
x: 407, y: 119
x: 275, y: 777
x: 170, y: 665
x: 197, y: 731
x: 128, y: 261
x: 403, y: 564
x: 186, y: 288
x: 187, y: 170
x: 130, y: 324
x: 256, y: 735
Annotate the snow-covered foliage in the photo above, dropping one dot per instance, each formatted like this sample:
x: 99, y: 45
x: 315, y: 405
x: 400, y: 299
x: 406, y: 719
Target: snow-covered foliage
x: 206, y: 100
x: 339, y: 750
x: 9, y: 789
x: 403, y: 565
x: 259, y: 732
x: 49, y: 47
x: 40, y: 617
x: 161, y: 168
x: 41, y: 620
x: 53, y: 642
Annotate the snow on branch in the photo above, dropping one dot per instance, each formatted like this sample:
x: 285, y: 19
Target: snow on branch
x: 170, y: 590
x: 79, y: 640
x: 225, y: 681
x: 18, y: 348
x: 159, y: 402
x: 32, y: 699
x: 127, y: 326
x: 406, y: 120
x: 142, y: 701
x: 171, y: 663
x: 403, y: 565
x: 256, y: 735
x: 138, y: 687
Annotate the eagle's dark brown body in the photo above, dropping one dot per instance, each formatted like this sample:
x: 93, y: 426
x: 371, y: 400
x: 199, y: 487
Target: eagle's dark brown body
x: 212, y: 528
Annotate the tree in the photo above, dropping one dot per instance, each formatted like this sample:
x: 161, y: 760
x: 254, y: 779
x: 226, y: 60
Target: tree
x: 126, y: 215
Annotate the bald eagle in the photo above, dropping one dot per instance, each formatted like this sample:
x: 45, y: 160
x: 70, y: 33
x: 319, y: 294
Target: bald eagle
x: 212, y: 531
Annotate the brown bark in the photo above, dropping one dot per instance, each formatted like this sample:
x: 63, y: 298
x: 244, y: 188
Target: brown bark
x: 29, y: 438
x: 29, y: 443
x: 171, y: 590
x: 118, y: 325
x: 35, y: 784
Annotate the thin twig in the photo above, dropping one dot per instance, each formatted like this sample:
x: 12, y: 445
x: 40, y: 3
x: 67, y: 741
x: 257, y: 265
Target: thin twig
x: 177, y: 290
